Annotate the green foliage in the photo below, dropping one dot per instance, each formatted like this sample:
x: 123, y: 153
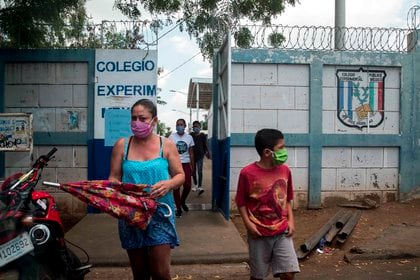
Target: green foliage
x: 168, y: 132
x: 243, y: 38
x: 63, y: 23
x: 40, y: 23
x: 204, y: 125
x: 275, y: 39
x: 161, y: 128
x: 209, y: 20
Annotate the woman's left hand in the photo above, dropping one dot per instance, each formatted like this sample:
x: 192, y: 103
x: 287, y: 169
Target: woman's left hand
x: 160, y: 189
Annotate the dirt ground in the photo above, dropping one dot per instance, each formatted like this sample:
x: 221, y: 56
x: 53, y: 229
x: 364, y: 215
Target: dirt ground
x: 329, y: 265
x: 372, y: 224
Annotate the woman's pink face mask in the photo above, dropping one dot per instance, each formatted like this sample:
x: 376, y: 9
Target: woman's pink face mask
x: 141, y: 129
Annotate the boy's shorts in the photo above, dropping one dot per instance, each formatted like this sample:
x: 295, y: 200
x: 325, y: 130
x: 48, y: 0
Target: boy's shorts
x: 275, y: 251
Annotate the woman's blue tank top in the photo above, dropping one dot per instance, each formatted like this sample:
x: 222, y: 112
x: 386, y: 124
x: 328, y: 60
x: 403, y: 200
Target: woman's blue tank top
x: 161, y: 230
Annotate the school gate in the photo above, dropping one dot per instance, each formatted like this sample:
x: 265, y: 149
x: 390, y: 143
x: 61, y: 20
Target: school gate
x: 350, y: 117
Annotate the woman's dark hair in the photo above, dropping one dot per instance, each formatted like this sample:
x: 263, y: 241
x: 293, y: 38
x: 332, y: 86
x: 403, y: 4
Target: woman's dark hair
x: 182, y: 120
x: 148, y: 104
x: 267, y: 138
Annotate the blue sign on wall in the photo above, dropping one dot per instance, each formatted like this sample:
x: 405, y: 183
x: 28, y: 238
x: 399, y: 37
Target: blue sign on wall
x: 117, y: 124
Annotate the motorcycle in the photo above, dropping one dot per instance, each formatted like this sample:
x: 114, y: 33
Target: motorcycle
x: 32, y: 239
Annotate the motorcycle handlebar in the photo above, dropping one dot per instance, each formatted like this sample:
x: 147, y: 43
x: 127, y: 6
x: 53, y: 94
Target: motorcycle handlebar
x: 49, y: 155
x: 42, y: 160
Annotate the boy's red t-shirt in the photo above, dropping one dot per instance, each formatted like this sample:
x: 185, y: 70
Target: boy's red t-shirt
x: 264, y: 193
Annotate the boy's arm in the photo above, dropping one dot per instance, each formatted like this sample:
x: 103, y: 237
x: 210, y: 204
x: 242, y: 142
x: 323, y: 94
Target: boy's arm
x: 290, y: 219
x: 250, y: 226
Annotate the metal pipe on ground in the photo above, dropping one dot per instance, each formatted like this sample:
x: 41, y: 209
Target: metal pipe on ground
x: 337, y: 226
x: 348, y: 228
x: 309, y: 244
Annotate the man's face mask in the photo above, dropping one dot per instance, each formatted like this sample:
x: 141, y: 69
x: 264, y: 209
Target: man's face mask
x: 279, y: 156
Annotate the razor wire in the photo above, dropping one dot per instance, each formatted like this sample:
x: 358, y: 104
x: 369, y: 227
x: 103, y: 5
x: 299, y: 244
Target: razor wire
x: 121, y: 34
x: 327, y: 38
x: 144, y: 35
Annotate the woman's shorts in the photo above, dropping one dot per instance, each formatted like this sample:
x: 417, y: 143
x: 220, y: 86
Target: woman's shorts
x: 161, y: 230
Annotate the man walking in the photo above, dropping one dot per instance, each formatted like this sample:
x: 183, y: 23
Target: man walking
x: 200, y: 150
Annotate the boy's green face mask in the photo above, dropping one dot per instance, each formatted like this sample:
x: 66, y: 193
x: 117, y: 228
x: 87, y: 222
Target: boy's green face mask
x: 280, y: 156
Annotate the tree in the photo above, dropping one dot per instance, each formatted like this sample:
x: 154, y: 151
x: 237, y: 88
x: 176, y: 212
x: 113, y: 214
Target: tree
x: 41, y: 23
x: 209, y: 20
x: 162, y: 129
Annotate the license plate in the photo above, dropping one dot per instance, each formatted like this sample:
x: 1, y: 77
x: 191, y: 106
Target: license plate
x: 15, y: 248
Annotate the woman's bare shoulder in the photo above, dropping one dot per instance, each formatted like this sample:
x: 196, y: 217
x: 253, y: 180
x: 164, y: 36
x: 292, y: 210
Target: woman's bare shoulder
x: 119, y: 144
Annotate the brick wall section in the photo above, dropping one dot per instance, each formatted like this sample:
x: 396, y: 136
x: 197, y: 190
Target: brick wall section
x: 354, y: 171
x: 267, y: 95
x: 56, y: 95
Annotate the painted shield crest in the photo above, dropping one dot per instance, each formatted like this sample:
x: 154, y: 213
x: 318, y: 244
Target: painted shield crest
x: 360, y: 97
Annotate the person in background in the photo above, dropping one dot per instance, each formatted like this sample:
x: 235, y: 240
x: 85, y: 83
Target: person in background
x: 184, y: 144
x: 200, y: 150
x: 264, y: 194
x: 146, y: 158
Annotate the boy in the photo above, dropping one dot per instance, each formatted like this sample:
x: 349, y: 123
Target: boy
x: 265, y: 190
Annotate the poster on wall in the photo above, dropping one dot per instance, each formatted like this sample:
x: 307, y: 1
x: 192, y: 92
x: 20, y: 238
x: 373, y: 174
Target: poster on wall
x: 16, y: 132
x: 122, y: 78
x: 360, y: 97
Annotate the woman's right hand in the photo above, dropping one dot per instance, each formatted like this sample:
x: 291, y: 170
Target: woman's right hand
x: 160, y: 189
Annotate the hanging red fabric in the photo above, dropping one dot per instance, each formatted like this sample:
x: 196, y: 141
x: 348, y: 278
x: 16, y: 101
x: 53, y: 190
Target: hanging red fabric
x: 121, y: 200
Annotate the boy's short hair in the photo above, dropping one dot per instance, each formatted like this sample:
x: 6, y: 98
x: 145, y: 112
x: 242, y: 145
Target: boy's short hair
x: 267, y: 138
x: 196, y: 122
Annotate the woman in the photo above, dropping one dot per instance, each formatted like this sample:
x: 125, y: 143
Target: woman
x: 147, y: 158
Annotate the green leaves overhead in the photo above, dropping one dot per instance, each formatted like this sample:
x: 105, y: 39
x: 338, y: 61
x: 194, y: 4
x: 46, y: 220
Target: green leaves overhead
x: 276, y: 39
x: 243, y: 38
x: 210, y: 20
x: 64, y: 23
x: 40, y: 23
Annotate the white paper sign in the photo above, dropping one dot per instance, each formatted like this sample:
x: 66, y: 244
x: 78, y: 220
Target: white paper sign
x: 122, y: 78
x: 16, y: 132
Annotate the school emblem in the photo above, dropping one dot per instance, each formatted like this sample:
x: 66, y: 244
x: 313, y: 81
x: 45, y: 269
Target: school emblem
x: 360, y: 97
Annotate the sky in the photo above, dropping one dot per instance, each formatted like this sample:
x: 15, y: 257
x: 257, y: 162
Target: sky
x: 176, y: 48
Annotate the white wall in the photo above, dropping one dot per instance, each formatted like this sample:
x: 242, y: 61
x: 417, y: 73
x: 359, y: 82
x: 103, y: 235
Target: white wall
x: 270, y: 95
